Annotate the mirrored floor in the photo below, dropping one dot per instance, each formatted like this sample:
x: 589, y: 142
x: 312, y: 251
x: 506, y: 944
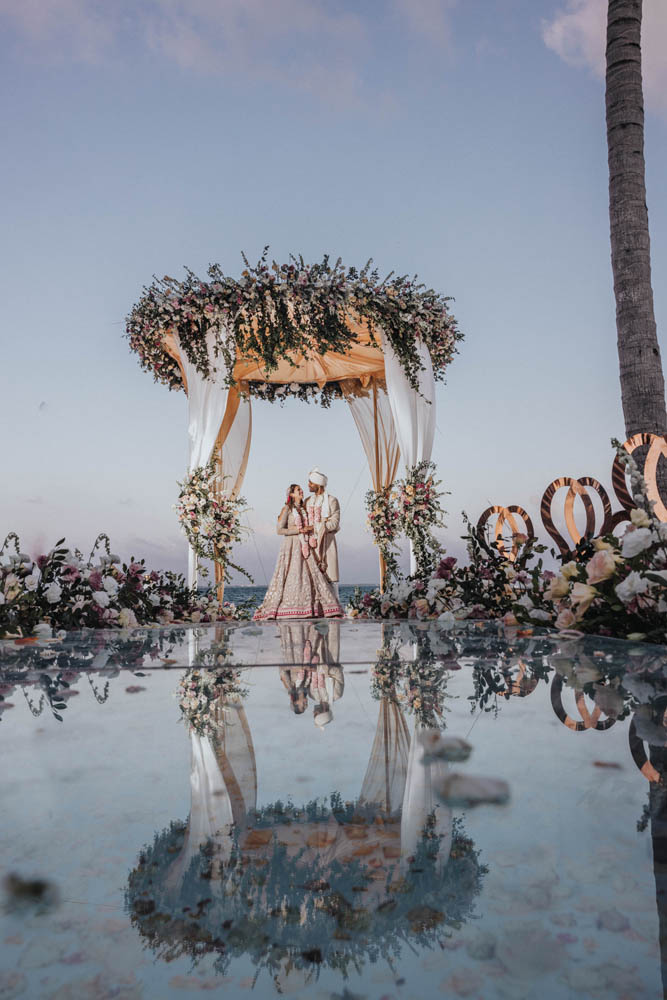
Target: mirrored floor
x: 336, y: 810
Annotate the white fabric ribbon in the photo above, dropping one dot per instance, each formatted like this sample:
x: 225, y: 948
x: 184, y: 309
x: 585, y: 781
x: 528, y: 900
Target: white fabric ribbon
x: 207, y: 401
x: 420, y: 800
x: 413, y: 411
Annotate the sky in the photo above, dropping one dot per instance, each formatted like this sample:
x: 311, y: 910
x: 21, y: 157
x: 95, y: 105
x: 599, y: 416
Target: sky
x: 463, y: 142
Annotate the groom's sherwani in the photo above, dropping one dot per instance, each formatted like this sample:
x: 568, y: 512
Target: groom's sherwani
x: 325, y: 532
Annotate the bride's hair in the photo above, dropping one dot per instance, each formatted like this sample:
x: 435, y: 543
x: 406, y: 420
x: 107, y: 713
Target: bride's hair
x: 289, y: 500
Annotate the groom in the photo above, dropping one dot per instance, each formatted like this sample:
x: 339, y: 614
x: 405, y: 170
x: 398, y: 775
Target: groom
x: 326, y: 521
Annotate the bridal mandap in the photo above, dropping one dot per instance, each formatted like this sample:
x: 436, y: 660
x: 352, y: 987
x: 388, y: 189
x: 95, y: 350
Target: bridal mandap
x: 315, y: 332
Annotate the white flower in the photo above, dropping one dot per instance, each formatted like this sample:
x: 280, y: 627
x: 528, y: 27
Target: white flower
x: 110, y: 585
x: 639, y: 518
x: 32, y: 582
x: 101, y: 598
x: 155, y: 599
x: 447, y: 620
x: 53, y: 593
x: 525, y: 602
x: 539, y: 615
x: 633, y: 585
x: 569, y: 570
x: 127, y: 618
x: 2, y: 597
x: 42, y: 630
x: 635, y: 542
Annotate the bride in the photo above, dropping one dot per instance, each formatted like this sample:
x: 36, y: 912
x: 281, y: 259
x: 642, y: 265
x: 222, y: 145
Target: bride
x: 298, y: 588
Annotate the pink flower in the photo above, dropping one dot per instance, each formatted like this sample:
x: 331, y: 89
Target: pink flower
x: 565, y: 619
x: 600, y: 567
x: 95, y: 580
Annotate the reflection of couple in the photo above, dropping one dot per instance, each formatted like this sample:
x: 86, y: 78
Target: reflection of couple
x: 313, y: 670
x: 305, y: 581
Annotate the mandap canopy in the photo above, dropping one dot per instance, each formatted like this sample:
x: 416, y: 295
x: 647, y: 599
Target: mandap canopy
x: 316, y: 332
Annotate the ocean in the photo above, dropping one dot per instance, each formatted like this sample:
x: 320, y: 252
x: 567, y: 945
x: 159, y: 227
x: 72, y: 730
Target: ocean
x: 236, y: 594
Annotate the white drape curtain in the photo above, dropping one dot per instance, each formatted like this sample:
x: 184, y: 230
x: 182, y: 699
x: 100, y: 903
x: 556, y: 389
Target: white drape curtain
x: 413, y: 412
x: 384, y: 782
x: 223, y: 789
x: 420, y: 800
x: 236, y: 447
x: 371, y: 412
x: 207, y: 401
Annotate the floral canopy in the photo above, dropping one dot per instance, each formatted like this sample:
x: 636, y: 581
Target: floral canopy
x: 314, y: 332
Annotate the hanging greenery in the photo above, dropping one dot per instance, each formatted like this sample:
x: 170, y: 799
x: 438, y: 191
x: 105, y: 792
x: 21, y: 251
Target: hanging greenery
x: 275, y: 312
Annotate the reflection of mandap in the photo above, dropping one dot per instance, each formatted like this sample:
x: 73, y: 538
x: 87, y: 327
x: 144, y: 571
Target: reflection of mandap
x: 326, y: 884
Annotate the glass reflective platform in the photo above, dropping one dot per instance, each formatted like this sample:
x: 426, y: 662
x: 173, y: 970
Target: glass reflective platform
x: 338, y: 810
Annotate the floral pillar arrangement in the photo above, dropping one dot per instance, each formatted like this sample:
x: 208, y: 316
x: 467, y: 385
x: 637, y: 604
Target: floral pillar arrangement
x: 210, y: 519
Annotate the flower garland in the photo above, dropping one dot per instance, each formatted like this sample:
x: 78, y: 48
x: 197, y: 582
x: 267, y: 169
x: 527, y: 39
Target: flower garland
x: 274, y: 312
x: 383, y: 519
x: 61, y: 590
x: 210, y: 519
x: 420, y: 512
x: 305, y: 392
x: 411, y: 505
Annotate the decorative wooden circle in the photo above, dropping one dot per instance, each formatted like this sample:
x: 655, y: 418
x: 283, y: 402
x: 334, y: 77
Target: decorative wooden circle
x: 576, y: 488
x: 505, y: 515
x: 588, y: 720
x: 521, y: 685
x: 638, y: 750
x: 657, y: 448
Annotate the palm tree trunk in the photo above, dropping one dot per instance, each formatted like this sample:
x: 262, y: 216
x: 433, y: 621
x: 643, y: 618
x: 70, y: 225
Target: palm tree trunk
x: 642, y: 382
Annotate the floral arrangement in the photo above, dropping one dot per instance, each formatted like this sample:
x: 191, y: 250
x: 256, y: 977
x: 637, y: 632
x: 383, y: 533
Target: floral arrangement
x: 200, y: 692
x: 411, y: 505
x: 609, y: 586
x: 618, y: 587
x: 305, y: 392
x: 420, y: 512
x: 383, y: 519
x: 61, y: 590
x: 273, y: 312
x: 210, y: 519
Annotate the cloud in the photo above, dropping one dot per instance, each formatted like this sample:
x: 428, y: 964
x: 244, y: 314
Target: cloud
x: 313, y: 45
x: 577, y: 33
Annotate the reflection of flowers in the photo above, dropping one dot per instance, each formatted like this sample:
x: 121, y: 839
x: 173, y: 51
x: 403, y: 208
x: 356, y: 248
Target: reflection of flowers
x: 45, y: 668
x: 288, y: 894
x: 201, y: 690
x: 419, y: 681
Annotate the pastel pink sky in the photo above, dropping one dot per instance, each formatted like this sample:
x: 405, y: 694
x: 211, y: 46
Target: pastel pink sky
x: 464, y: 142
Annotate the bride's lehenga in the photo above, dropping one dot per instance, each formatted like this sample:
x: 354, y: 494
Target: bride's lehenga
x: 298, y: 588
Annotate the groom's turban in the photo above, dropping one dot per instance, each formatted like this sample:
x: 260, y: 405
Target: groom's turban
x: 317, y: 477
